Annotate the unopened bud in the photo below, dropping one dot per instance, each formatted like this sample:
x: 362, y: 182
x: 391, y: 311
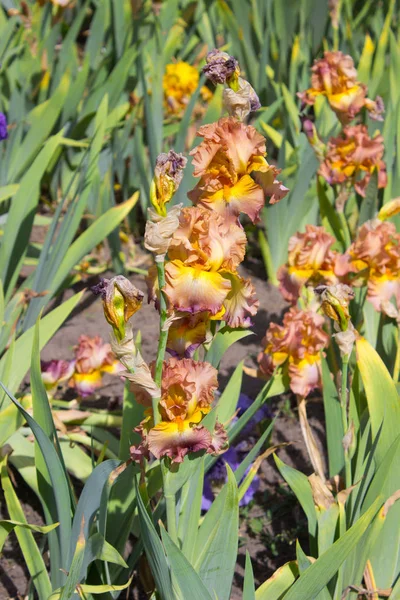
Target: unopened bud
x: 390, y: 209
x: 168, y: 174
x: 121, y: 299
x: 335, y: 300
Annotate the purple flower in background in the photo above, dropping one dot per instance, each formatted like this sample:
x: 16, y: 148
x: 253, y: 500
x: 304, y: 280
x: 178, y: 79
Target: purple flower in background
x: 3, y: 127
x: 216, y: 478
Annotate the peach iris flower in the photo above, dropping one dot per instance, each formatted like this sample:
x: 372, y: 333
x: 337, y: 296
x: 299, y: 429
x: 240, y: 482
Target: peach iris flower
x: 295, y: 345
x: 234, y: 174
x: 92, y: 359
x: 187, y: 393
x: 201, y: 271
x: 311, y: 261
x: 374, y: 260
x: 353, y: 157
x: 335, y: 77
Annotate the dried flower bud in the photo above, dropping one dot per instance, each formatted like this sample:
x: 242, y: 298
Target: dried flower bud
x: 221, y: 67
x: 345, y: 339
x: 390, y: 209
x: 159, y: 230
x: 241, y: 102
x: 168, y: 175
x: 335, y: 302
x: 121, y: 299
x: 137, y: 370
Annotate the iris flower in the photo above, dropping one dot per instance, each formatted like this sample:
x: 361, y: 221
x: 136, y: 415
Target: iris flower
x: 353, y: 157
x: 187, y: 393
x: 179, y: 83
x: 311, y: 261
x: 335, y: 77
x: 234, y: 174
x: 374, y: 260
x: 295, y: 345
x: 93, y: 358
x: 201, y: 273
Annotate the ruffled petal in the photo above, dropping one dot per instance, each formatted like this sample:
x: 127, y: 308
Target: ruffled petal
x: 86, y: 384
x: 55, y: 372
x: 305, y: 376
x: 186, y: 334
x: 175, y: 440
x: 194, y: 290
x: 241, y: 303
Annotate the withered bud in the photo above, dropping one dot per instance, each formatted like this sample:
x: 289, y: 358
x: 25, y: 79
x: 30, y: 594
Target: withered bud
x: 221, y: 67
x: 345, y: 339
x: 121, y: 299
x: 335, y: 300
x: 159, y: 230
x: 168, y: 174
x: 137, y: 370
x: 241, y: 102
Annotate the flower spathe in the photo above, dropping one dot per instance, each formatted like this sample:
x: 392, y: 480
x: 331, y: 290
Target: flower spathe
x: 234, y: 174
x: 311, y: 261
x: 353, y: 157
x: 295, y: 345
x: 92, y: 359
x: 335, y: 77
x: 186, y: 396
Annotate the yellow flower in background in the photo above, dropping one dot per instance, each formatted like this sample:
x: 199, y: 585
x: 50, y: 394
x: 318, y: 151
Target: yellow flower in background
x: 179, y: 83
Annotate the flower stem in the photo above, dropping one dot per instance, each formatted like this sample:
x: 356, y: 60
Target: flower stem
x: 162, y: 341
x: 170, y: 499
x: 171, y: 517
x: 343, y: 404
x: 345, y: 226
x: 396, y: 368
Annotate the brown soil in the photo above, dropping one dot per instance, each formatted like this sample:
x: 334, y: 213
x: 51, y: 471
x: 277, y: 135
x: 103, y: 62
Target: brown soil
x: 275, y: 507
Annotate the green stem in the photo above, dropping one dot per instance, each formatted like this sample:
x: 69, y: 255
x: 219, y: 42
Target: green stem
x: 162, y: 345
x: 171, y: 517
x: 162, y: 341
x: 396, y: 369
x: 343, y: 405
x: 345, y: 226
x: 267, y: 258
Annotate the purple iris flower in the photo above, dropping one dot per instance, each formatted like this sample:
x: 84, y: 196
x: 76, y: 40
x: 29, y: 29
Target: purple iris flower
x: 3, y: 127
x: 216, y: 477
